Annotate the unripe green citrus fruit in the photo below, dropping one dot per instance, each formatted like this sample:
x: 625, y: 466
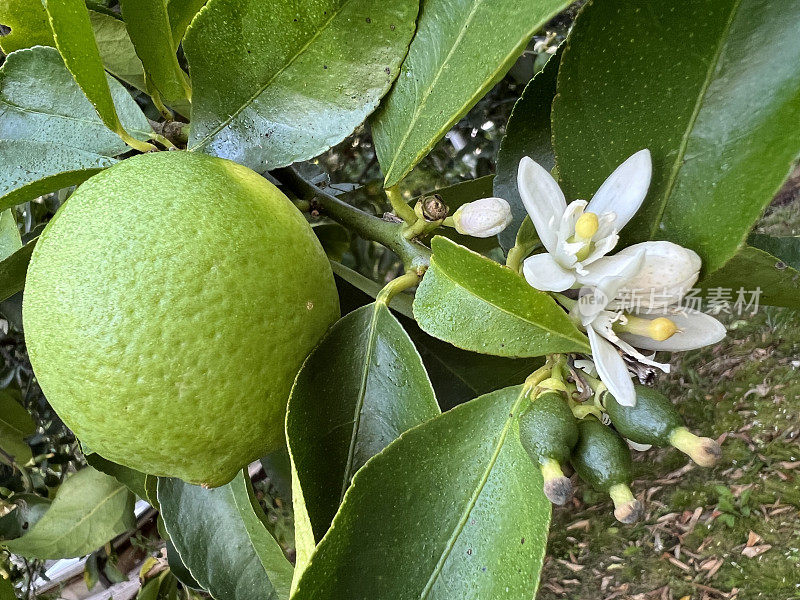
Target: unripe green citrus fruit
x: 168, y: 306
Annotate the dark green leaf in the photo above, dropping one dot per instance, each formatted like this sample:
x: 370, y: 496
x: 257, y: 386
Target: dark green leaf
x: 374, y: 387
x: 276, y: 83
x: 178, y: 568
x: 74, y: 37
x: 116, y: 50
x: 457, y: 375
x: 335, y: 239
x: 527, y: 134
x: 13, y: 270
x: 774, y: 280
x: 29, y: 509
x: 787, y: 248
x: 7, y: 589
x: 452, y: 509
x: 132, y: 479
x: 221, y: 538
x: 148, y: 24
x: 15, y: 425
x: 50, y: 135
x: 714, y: 114
x: 27, y: 20
x: 461, y: 49
x: 89, y: 509
x: 478, y: 305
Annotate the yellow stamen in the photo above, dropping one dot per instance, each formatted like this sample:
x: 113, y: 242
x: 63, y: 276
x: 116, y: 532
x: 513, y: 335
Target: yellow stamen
x: 659, y: 329
x: 662, y: 329
x: 586, y: 225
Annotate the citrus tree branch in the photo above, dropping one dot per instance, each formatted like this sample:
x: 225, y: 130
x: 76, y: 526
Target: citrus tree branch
x: 414, y: 255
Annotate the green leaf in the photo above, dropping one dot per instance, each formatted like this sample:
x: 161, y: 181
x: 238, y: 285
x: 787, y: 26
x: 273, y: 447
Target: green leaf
x: 181, y: 13
x: 89, y: 509
x: 10, y: 240
x: 276, y: 83
x: 7, y: 589
x: 74, y: 37
x: 452, y: 509
x: 131, y: 478
x: 786, y: 248
x: 221, y: 538
x: 116, y: 50
x: 148, y: 24
x: 178, y: 568
x: 713, y: 116
x: 29, y: 509
x: 375, y: 387
x: 774, y: 277
x: 478, y: 305
x: 27, y: 20
x: 15, y: 425
x: 457, y: 375
x: 50, y: 135
x: 461, y: 49
x: 13, y: 270
x: 527, y: 134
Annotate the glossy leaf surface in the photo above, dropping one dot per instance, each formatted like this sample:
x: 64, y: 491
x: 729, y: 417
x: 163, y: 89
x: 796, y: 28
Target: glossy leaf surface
x: 527, y: 134
x: 767, y: 271
x: 221, y: 538
x: 460, y: 50
x: 50, y: 135
x: 28, y: 22
x: 89, y: 510
x: 131, y: 478
x: 148, y: 24
x: 362, y: 387
x: 276, y: 83
x: 452, y: 509
x: 714, y: 115
x: 476, y: 304
x: 74, y: 38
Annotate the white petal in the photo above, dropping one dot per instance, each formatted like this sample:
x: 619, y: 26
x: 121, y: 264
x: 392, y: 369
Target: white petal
x: 610, y: 273
x: 566, y: 228
x: 544, y: 273
x: 667, y: 273
x: 695, y: 330
x: 612, y: 369
x: 543, y: 200
x: 624, y: 190
x: 639, y: 447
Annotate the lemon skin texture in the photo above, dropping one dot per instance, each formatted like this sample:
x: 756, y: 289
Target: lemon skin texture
x: 168, y: 307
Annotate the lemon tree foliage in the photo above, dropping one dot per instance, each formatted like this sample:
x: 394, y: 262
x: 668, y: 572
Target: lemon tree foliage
x: 178, y: 269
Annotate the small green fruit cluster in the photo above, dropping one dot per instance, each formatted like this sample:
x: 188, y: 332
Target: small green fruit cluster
x: 552, y: 435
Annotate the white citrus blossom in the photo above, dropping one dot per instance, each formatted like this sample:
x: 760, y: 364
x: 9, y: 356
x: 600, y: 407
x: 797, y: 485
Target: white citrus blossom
x: 578, y: 235
x: 658, y: 327
x: 482, y: 218
x: 667, y: 273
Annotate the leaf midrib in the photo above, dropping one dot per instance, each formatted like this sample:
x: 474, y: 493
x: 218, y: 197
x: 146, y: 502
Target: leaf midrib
x: 360, y: 399
x: 269, y: 81
x: 504, y: 310
x: 678, y: 164
x: 54, y: 542
x: 473, y: 500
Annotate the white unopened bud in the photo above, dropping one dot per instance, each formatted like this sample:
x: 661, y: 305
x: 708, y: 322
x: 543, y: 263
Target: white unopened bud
x: 483, y: 218
x: 668, y: 272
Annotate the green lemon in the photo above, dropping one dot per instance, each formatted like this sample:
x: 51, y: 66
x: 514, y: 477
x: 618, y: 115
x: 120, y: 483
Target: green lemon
x: 168, y: 306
